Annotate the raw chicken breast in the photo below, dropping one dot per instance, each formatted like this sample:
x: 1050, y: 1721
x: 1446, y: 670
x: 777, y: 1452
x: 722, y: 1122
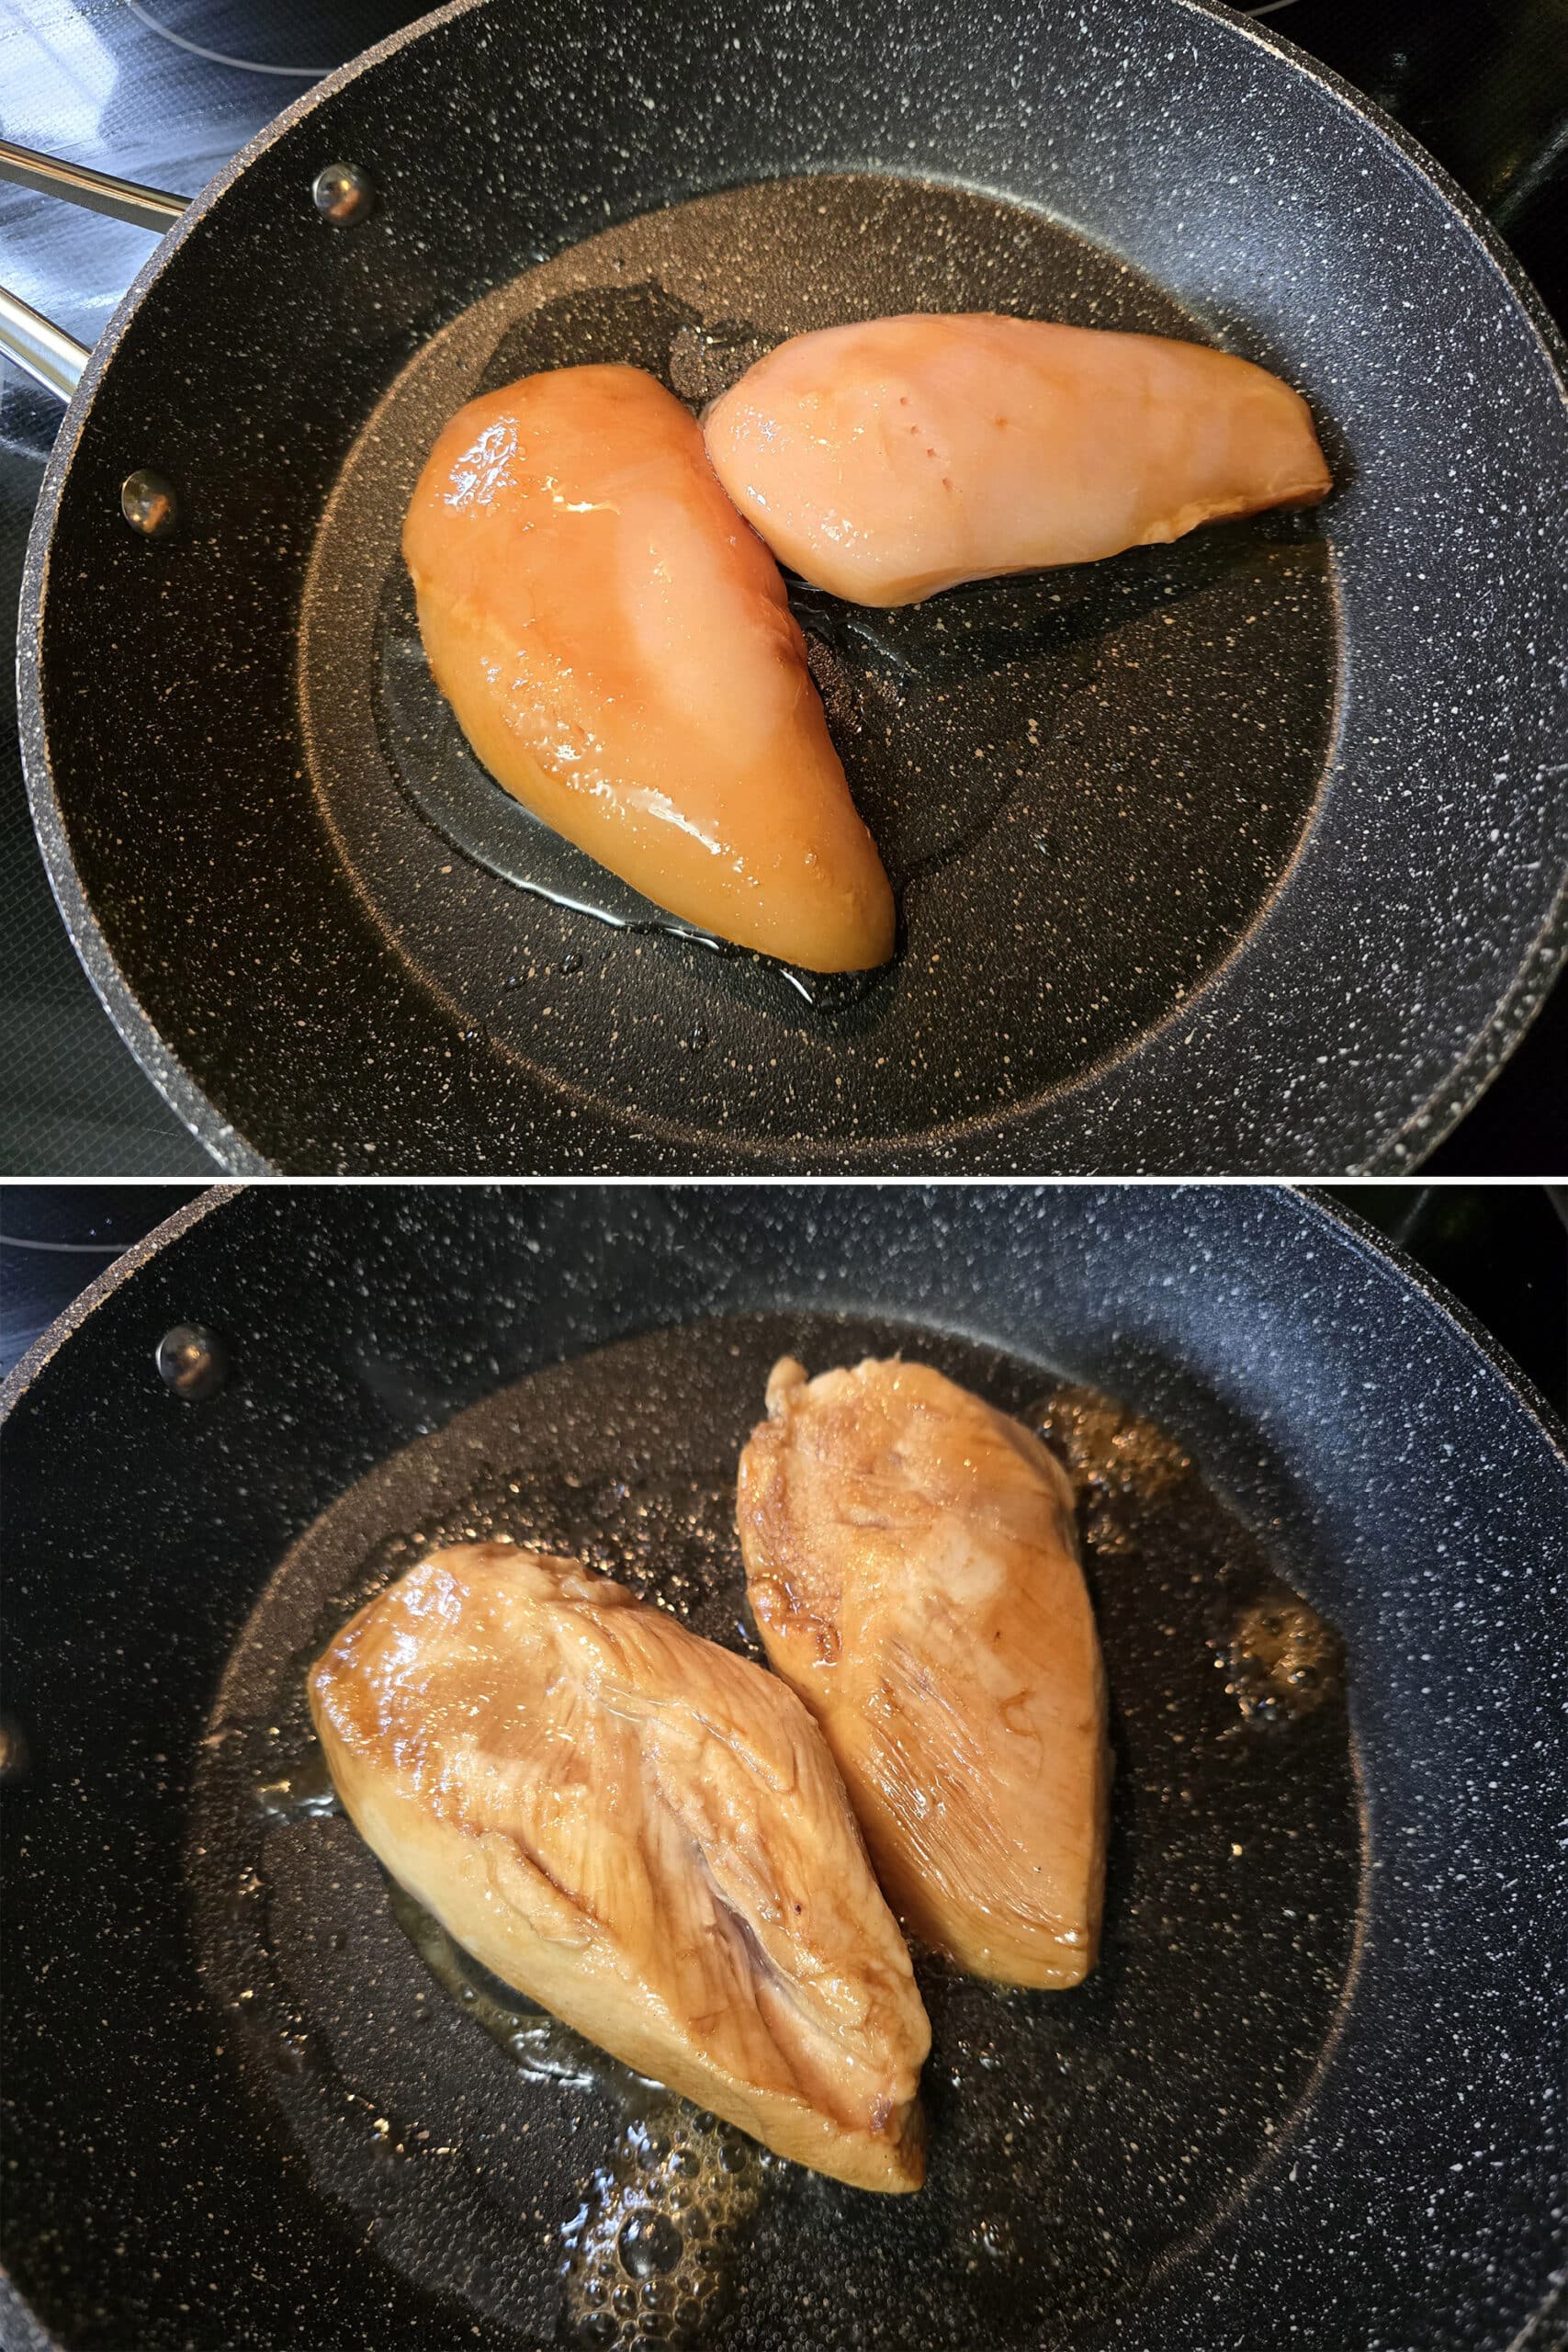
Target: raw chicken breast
x: 640, y: 1831
x: 887, y: 461
x: 618, y: 649
x: 911, y: 1564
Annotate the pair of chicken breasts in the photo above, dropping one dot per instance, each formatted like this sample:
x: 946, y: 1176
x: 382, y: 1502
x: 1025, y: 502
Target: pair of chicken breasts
x: 667, y: 1845
x: 599, y: 605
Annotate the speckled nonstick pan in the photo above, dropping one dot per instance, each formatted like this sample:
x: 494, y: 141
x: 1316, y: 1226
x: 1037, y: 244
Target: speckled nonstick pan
x: 1244, y: 855
x: 1312, y: 2095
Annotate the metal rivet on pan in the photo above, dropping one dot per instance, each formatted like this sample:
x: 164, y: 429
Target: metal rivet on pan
x: 147, y: 503
x: 193, y: 1361
x: 12, y: 1751
x: 342, y: 194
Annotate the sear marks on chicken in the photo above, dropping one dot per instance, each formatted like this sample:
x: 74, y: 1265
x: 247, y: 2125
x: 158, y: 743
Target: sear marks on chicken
x: 912, y: 1567
x: 642, y: 1831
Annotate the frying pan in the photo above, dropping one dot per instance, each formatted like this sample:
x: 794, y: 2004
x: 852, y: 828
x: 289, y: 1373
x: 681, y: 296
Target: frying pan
x: 1310, y: 2096
x: 1247, y: 855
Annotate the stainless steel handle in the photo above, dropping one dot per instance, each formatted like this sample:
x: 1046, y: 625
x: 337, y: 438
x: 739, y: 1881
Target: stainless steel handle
x: 144, y: 208
x: 44, y: 350
x: 48, y: 355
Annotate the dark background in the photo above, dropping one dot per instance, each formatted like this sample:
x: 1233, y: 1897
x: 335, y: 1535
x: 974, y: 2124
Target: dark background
x: 1483, y: 83
x: 1501, y: 1248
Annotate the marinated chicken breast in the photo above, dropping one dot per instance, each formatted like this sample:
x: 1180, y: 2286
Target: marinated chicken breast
x: 911, y: 1563
x: 642, y: 1832
x: 618, y: 649
x: 886, y: 460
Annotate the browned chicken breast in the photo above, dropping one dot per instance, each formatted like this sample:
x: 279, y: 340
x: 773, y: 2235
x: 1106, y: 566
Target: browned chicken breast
x: 619, y: 649
x: 912, y: 1567
x: 640, y: 1831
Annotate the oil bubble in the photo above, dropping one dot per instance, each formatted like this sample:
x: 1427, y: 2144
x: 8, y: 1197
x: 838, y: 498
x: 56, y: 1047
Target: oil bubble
x: 665, y: 2282
x: 648, y: 2243
x: 1281, y: 1661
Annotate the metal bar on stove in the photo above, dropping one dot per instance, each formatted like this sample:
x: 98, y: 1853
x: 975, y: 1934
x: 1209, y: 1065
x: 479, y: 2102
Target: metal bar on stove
x: 46, y: 352
x: 144, y: 208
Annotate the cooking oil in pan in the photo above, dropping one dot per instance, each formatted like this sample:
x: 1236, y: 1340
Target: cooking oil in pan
x: 1079, y: 2141
x: 1281, y: 1660
x: 1116, y: 758
x: 538, y: 2046
x: 648, y: 2256
x: 651, y: 2256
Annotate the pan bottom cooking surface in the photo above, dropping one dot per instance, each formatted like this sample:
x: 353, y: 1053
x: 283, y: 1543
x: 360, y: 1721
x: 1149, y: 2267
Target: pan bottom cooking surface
x: 1079, y: 2141
x: 1087, y: 784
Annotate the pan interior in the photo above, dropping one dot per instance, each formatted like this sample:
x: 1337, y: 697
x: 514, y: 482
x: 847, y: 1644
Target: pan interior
x: 1087, y: 784
x: 1080, y: 2142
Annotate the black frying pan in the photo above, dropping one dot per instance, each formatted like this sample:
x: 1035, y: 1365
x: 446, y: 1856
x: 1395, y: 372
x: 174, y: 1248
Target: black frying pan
x: 1246, y: 854
x: 1310, y: 2096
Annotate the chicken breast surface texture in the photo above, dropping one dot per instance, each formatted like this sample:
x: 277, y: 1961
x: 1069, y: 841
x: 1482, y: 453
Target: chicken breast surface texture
x: 642, y: 1832
x: 618, y: 649
x: 887, y: 461
x: 911, y: 1564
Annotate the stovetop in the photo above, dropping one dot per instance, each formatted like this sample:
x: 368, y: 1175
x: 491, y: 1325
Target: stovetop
x: 1483, y: 83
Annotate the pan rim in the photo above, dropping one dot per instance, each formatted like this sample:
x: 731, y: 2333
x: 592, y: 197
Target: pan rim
x: 1343, y: 1224
x: 1398, y: 1149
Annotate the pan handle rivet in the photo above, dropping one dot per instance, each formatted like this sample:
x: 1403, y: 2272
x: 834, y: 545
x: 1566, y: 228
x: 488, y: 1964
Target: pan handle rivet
x: 193, y: 1362
x: 12, y: 1751
x: 342, y: 194
x: 147, y: 503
